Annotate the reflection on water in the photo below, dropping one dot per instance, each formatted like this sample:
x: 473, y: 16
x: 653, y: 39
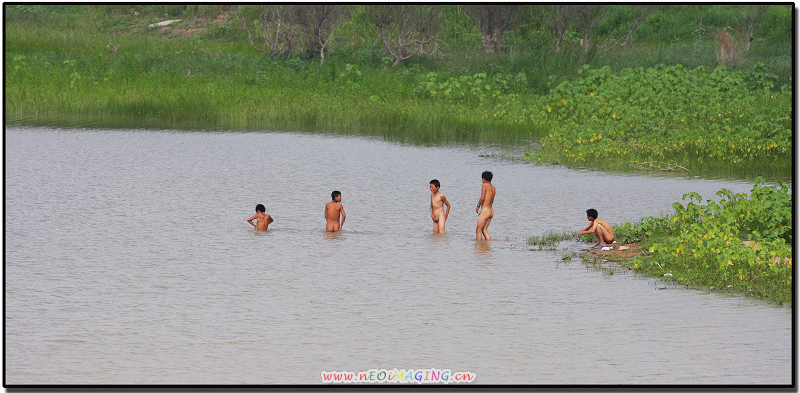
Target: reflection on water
x: 482, y: 249
x: 147, y: 271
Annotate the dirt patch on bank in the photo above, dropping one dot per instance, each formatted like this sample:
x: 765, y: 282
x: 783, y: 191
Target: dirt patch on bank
x: 620, y: 253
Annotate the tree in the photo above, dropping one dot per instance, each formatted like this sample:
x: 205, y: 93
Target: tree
x: 640, y: 12
x: 274, y: 25
x: 751, y: 20
x: 405, y: 29
x: 493, y: 21
x: 318, y: 24
x: 733, y: 46
x: 586, y: 19
x: 557, y: 18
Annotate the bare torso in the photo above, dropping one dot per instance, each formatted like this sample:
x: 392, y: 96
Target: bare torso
x: 262, y: 221
x: 486, y: 211
x: 332, y: 210
x: 607, y: 227
x: 437, y: 203
x: 488, y: 199
x: 438, y: 212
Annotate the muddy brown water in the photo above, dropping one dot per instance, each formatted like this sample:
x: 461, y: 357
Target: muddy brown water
x: 128, y: 260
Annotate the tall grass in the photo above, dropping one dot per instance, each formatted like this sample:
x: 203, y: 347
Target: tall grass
x: 59, y: 66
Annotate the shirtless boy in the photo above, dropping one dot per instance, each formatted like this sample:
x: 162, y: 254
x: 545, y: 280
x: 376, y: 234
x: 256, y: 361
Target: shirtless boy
x: 262, y: 220
x: 332, y: 211
x: 484, y: 209
x: 438, y: 213
x: 601, y: 229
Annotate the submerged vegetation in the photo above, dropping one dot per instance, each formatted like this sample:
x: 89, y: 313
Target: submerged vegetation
x: 640, y: 91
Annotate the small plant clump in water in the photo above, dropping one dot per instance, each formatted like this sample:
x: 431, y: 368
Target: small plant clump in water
x: 550, y: 240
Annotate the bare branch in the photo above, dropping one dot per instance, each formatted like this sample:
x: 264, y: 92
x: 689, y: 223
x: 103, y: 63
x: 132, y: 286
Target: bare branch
x: 405, y: 29
x: 557, y: 18
x: 493, y: 21
x: 318, y: 24
x: 275, y: 27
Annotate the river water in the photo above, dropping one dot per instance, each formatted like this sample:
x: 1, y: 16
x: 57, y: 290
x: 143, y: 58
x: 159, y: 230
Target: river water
x: 129, y: 260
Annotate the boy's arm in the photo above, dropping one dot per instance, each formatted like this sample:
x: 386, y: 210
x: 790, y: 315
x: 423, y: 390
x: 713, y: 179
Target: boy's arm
x: 269, y: 219
x: 589, y: 229
x: 341, y: 209
x: 483, y: 196
x: 446, y: 203
x: 250, y: 220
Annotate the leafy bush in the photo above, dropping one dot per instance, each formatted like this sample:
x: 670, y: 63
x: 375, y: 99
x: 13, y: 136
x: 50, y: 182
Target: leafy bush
x: 668, y: 113
x: 743, y: 242
x: 470, y: 89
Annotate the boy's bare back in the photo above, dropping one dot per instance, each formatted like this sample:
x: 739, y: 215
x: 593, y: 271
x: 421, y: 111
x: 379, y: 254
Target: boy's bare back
x: 488, y: 191
x: 603, y: 223
x: 262, y: 221
x: 332, y: 212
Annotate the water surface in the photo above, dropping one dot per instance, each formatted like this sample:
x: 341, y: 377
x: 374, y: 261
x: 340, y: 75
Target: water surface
x: 129, y: 261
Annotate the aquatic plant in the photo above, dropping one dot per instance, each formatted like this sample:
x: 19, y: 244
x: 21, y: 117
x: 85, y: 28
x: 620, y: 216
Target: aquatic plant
x: 687, y: 119
x: 742, y: 243
x: 549, y: 240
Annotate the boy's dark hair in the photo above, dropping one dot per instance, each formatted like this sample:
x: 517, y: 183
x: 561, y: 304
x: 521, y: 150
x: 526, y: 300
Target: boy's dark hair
x: 335, y: 194
x: 487, y: 175
x: 435, y: 183
x: 260, y: 208
x: 591, y: 213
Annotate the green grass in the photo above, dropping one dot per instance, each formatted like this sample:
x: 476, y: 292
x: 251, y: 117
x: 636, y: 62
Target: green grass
x: 58, y: 67
x: 549, y: 240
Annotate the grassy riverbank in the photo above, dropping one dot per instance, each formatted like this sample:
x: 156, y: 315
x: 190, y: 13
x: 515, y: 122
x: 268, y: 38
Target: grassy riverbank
x: 587, y: 109
x: 742, y: 244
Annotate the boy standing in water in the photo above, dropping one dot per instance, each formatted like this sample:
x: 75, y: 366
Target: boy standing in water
x: 484, y: 209
x: 438, y: 213
x: 600, y: 228
x: 332, y: 211
x: 262, y: 220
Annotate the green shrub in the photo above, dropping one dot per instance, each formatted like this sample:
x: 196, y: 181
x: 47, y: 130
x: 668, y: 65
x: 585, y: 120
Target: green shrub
x: 742, y: 242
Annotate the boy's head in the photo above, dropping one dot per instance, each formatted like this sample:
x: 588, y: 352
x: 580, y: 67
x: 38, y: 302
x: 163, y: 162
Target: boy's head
x: 487, y: 175
x: 335, y: 194
x: 435, y: 183
x: 260, y: 208
x: 591, y: 213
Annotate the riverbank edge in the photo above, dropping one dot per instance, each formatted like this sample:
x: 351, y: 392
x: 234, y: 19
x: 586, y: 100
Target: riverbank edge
x: 630, y: 256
